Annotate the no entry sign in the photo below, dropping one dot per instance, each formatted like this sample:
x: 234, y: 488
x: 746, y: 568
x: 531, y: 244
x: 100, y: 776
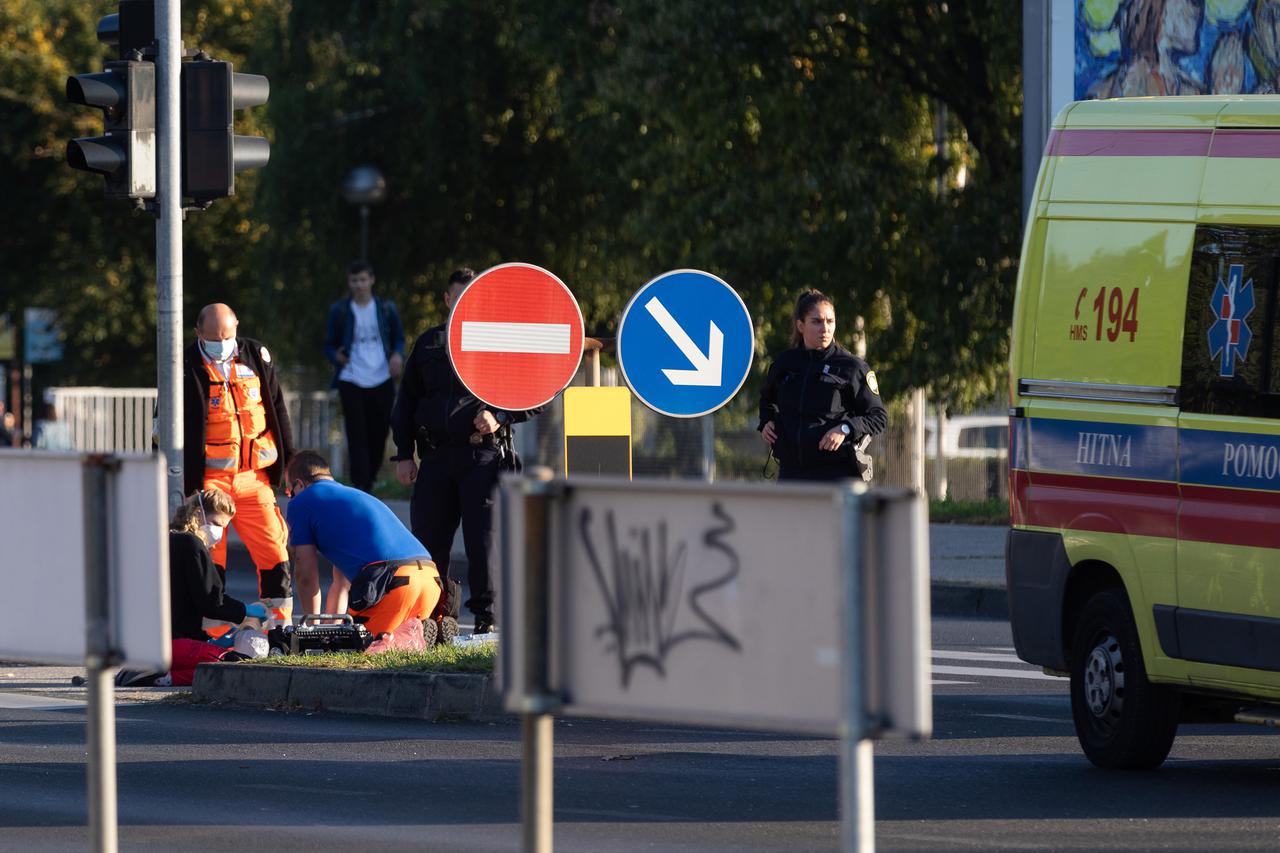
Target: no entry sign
x: 515, y: 336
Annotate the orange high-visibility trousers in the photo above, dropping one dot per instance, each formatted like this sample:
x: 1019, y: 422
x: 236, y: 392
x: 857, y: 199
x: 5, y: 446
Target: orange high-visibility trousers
x: 260, y: 526
x: 414, y: 592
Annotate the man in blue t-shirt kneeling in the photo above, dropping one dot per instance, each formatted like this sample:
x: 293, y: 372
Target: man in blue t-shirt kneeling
x: 390, y: 573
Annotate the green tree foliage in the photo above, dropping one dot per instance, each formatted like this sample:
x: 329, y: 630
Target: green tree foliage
x: 65, y: 246
x: 780, y: 145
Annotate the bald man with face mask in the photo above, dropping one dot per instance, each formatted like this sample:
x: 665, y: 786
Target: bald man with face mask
x: 238, y: 440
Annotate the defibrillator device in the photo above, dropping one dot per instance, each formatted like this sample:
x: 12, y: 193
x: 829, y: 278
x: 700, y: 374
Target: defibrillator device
x: 319, y: 634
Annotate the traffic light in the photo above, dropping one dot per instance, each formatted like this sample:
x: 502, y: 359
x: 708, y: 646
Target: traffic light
x: 132, y: 28
x: 126, y: 153
x: 126, y: 93
x: 212, y: 153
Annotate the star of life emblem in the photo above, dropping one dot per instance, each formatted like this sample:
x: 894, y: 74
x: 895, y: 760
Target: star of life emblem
x: 1229, y: 336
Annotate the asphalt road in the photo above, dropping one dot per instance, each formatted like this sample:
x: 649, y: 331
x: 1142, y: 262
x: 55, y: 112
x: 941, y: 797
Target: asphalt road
x: 1003, y: 772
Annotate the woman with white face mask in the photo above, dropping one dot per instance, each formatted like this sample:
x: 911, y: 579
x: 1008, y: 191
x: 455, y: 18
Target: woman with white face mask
x: 195, y: 585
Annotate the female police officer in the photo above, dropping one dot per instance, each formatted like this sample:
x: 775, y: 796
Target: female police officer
x: 819, y: 399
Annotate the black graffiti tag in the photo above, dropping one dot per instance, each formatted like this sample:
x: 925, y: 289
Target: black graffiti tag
x: 642, y: 580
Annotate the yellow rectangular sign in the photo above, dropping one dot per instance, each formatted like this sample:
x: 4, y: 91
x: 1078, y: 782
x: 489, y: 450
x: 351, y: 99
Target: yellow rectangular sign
x: 597, y: 431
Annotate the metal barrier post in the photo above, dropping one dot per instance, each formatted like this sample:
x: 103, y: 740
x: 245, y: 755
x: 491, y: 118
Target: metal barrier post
x: 99, y: 656
x: 857, y: 781
x: 536, y: 722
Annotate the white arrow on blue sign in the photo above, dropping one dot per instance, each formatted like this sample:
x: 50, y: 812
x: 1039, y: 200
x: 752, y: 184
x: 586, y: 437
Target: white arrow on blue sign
x: 685, y: 343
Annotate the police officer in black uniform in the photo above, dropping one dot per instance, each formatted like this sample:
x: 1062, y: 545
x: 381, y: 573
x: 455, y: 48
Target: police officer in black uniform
x: 819, y: 400
x: 458, y: 440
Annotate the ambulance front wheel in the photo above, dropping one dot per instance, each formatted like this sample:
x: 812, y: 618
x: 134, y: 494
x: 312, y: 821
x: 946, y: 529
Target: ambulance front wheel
x: 1123, y: 721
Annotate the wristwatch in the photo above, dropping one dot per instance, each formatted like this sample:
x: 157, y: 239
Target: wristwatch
x: 844, y: 428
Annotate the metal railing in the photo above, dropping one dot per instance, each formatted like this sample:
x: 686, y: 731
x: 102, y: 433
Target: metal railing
x: 102, y: 420
x: 120, y: 419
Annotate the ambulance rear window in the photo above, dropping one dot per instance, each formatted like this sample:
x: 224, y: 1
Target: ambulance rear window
x: 1231, y: 355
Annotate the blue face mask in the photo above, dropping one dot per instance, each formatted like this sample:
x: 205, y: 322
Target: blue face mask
x: 219, y: 350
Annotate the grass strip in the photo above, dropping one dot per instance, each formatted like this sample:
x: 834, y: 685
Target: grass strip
x: 473, y: 657
x: 994, y: 511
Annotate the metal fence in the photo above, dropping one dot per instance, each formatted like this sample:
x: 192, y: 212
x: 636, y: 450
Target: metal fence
x: 121, y: 420
x: 106, y: 420
x: 717, y: 446
x: 721, y: 446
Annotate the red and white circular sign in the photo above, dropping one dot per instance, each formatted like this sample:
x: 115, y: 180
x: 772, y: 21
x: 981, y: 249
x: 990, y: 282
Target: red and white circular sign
x: 515, y: 336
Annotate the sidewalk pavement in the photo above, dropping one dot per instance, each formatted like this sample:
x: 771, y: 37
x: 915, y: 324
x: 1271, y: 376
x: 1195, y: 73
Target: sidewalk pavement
x: 966, y: 565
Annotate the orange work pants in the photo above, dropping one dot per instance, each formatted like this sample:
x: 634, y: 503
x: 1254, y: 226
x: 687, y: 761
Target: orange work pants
x: 415, y: 596
x: 260, y: 526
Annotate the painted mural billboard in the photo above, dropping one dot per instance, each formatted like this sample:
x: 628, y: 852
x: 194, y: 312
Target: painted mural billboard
x: 1176, y: 47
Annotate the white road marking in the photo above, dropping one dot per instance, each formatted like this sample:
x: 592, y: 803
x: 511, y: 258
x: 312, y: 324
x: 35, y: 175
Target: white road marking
x: 1028, y: 717
x: 983, y: 656
x: 28, y: 702
x: 997, y: 673
x: 936, y: 682
x: 550, y: 338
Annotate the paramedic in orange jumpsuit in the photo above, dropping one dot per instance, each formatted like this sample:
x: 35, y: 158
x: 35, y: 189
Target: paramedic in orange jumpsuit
x: 238, y: 441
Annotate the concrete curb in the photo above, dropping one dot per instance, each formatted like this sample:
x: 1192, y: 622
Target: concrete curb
x: 409, y: 695
x: 969, y: 599
x: 430, y: 696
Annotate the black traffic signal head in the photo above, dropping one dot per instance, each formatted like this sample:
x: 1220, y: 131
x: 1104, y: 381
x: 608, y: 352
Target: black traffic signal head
x: 132, y: 28
x: 126, y: 153
x: 212, y: 154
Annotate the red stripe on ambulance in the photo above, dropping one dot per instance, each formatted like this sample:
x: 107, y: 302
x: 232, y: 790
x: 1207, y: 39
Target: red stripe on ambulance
x: 1249, y: 144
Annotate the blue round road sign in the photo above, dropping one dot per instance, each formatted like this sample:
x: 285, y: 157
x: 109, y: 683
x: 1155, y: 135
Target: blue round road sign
x: 685, y: 343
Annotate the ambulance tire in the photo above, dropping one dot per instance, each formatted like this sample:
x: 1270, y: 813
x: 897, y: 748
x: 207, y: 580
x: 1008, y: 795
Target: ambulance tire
x: 1123, y: 721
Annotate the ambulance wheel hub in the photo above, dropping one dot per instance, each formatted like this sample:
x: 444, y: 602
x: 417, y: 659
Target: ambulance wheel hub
x: 1104, y: 679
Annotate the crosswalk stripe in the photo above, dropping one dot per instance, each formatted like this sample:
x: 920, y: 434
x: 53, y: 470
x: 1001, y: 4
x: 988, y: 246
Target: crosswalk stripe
x: 987, y: 671
x: 980, y: 656
x: 1031, y: 718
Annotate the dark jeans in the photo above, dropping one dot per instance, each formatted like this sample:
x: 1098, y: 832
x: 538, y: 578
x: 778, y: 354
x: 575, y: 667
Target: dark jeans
x: 367, y: 412
x: 456, y: 483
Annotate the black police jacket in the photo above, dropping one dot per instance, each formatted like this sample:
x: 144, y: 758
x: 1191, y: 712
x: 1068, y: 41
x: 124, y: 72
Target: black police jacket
x: 808, y: 392
x: 433, y: 404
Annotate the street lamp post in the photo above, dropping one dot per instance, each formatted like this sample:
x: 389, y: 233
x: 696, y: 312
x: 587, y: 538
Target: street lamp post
x: 363, y: 187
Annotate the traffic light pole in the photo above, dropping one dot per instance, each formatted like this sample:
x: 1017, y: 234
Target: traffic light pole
x: 169, y: 242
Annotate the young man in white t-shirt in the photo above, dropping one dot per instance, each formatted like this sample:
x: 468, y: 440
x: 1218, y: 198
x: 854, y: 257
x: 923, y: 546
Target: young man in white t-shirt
x: 364, y: 340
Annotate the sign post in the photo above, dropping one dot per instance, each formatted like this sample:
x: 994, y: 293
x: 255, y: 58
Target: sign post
x: 109, y: 561
x: 99, y: 657
x: 515, y: 336
x: 652, y: 591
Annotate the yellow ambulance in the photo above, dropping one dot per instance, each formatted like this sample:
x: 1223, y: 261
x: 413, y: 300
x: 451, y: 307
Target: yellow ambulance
x: 1143, y: 558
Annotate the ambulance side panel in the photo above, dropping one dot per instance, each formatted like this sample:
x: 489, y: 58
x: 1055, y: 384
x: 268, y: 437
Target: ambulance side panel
x: 1094, y: 368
